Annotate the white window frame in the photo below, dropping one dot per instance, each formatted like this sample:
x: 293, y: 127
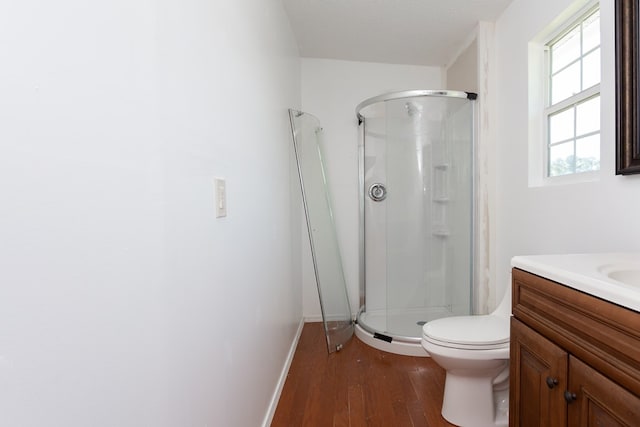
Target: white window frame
x: 540, y: 96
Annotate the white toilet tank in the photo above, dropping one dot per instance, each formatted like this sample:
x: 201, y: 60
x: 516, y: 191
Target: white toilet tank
x: 504, y: 308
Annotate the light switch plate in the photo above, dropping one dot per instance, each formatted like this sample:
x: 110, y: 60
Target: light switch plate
x: 220, y: 187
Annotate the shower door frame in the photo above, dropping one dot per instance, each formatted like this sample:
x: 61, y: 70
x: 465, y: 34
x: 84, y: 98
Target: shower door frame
x: 362, y: 192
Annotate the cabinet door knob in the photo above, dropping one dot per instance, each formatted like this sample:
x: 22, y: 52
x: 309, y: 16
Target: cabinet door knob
x: 569, y: 397
x: 552, y: 382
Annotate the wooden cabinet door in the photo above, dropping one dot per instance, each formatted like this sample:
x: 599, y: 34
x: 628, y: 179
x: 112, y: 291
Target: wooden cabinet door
x: 538, y: 379
x: 598, y: 400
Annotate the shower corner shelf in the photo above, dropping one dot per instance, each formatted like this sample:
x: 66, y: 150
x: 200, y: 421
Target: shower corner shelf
x: 441, y: 166
x: 441, y: 232
x: 441, y: 199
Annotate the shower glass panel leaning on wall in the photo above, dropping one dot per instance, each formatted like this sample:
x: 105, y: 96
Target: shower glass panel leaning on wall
x: 417, y: 241
x: 327, y: 263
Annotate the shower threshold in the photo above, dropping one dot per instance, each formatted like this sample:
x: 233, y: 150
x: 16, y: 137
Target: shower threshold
x: 396, y: 346
x: 397, y: 332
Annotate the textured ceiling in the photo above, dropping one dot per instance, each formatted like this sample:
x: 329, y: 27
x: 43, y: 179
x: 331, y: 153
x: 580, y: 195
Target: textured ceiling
x: 420, y: 32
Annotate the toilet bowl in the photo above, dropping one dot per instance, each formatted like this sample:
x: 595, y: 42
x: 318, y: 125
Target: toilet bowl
x: 474, y: 352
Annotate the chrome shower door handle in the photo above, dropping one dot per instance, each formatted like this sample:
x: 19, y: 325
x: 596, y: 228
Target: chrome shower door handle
x: 377, y: 192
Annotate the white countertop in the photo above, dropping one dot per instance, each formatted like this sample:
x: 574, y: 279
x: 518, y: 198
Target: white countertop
x: 587, y: 273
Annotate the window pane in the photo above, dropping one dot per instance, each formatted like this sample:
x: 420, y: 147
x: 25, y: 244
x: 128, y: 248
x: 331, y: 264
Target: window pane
x: 561, y: 126
x: 565, y: 50
x: 588, y: 153
x: 591, y: 69
x: 566, y: 83
x: 588, y: 116
x: 561, y: 159
x: 591, y: 32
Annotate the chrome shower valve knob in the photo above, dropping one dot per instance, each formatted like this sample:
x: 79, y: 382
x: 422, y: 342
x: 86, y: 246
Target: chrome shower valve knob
x: 377, y: 192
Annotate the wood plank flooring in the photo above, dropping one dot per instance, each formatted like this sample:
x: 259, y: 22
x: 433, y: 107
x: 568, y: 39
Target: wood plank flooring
x: 358, y: 386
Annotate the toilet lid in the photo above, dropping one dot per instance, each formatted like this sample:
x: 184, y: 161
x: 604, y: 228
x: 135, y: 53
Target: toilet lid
x: 469, y: 330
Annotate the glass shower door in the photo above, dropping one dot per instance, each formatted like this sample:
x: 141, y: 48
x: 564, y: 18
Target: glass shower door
x: 428, y: 215
x: 411, y: 260
x: 327, y: 264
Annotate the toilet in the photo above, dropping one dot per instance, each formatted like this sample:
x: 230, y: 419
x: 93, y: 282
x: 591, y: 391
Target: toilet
x: 474, y: 351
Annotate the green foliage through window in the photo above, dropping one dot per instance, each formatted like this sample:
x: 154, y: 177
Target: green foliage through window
x: 572, y: 164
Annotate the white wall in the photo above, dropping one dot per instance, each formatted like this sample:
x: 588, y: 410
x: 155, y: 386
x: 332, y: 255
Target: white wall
x: 462, y: 73
x: 123, y: 301
x: 587, y: 217
x: 331, y: 90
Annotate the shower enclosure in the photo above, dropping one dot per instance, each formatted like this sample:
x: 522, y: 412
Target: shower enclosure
x: 417, y: 214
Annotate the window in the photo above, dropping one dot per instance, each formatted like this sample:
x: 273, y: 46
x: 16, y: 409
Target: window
x: 572, y: 107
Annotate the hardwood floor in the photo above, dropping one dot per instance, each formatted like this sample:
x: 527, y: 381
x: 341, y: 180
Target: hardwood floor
x: 358, y: 386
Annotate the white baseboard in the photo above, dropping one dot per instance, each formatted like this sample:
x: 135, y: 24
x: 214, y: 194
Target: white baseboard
x: 283, y: 377
x: 313, y: 318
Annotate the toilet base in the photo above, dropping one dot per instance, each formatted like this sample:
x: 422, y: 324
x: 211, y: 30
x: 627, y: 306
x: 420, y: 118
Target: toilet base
x: 475, y: 402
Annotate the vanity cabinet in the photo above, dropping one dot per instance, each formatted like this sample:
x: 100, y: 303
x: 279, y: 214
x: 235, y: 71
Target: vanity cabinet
x: 575, y: 359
